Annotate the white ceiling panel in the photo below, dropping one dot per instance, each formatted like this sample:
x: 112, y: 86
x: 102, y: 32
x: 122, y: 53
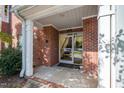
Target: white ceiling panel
x: 34, y: 9
x: 71, y: 18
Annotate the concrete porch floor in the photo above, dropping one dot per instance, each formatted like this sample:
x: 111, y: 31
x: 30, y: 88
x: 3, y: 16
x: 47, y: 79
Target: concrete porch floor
x: 67, y: 77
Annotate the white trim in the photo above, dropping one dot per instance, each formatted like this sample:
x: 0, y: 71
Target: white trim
x: 71, y: 28
x: 51, y: 25
x: 52, y: 11
x: 38, y: 24
x: 59, y: 29
x: 106, y: 14
x: 26, y: 9
x: 89, y: 17
x: 19, y: 8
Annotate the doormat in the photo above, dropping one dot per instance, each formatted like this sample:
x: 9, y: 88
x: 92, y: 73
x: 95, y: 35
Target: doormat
x: 69, y: 65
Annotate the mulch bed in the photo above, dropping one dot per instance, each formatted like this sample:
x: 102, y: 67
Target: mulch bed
x: 12, y: 82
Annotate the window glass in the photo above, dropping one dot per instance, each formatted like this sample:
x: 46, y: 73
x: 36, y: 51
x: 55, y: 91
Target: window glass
x: 6, y: 10
x: 5, y: 13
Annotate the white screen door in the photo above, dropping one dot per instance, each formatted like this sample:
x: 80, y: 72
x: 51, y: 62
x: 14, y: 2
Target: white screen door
x: 71, y: 48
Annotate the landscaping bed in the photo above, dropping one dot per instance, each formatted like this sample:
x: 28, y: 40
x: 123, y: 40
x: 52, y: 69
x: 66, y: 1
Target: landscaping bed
x: 12, y: 82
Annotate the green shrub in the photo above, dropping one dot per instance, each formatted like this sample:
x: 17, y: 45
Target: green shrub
x: 4, y: 37
x: 10, y: 61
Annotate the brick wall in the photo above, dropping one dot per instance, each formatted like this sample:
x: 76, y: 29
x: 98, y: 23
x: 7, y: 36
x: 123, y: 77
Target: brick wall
x: 46, y: 46
x: 12, y: 27
x: 5, y: 27
x: 16, y: 26
x: 90, y: 45
x: 53, y: 44
x: 37, y: 50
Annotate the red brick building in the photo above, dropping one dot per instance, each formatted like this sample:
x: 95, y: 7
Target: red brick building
x: 10, y: 24
x: 46, y: 47
x: 65, y: 34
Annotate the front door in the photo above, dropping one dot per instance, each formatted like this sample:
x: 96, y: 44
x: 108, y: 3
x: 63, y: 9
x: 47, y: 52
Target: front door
x: 71, y: 48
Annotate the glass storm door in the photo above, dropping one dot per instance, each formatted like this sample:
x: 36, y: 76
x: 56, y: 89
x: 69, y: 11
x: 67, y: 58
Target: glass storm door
x: 66, y: 50
x: 77, y: 53
x: 71, y: 48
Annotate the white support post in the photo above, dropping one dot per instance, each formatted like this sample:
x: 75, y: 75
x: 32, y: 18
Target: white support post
x: 119, y: 59
x: 106, y: 32
x: 113, y: 49
x: 29, y: 48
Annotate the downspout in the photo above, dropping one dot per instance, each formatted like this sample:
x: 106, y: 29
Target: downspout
x: 22, y: 73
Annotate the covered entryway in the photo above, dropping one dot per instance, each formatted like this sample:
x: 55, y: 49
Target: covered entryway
x: 61, y: 34
x: 54, y: 20
x: 67, y: 35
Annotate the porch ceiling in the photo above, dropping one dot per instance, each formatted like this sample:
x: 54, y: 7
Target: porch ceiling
x: 69, y: 19
x: 61, y: 16
x: 31, y: 10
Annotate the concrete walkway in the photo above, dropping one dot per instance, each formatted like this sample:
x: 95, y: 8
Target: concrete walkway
x: 60, y: 77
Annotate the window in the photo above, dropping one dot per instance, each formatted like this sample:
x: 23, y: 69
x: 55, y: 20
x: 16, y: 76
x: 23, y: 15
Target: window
x: 6, y: 10
x: 5, y: 13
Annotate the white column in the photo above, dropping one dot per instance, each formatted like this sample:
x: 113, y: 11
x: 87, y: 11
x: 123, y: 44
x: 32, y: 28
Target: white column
x: 29, y: 48
x: 113, y: 40
x: 120, y: 47
x: 106, y: 32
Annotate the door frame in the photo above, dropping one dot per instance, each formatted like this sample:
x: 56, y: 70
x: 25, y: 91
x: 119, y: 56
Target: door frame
x: 70, y: 34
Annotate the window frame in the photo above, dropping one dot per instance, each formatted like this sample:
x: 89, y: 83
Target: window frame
x: 5, y: 16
